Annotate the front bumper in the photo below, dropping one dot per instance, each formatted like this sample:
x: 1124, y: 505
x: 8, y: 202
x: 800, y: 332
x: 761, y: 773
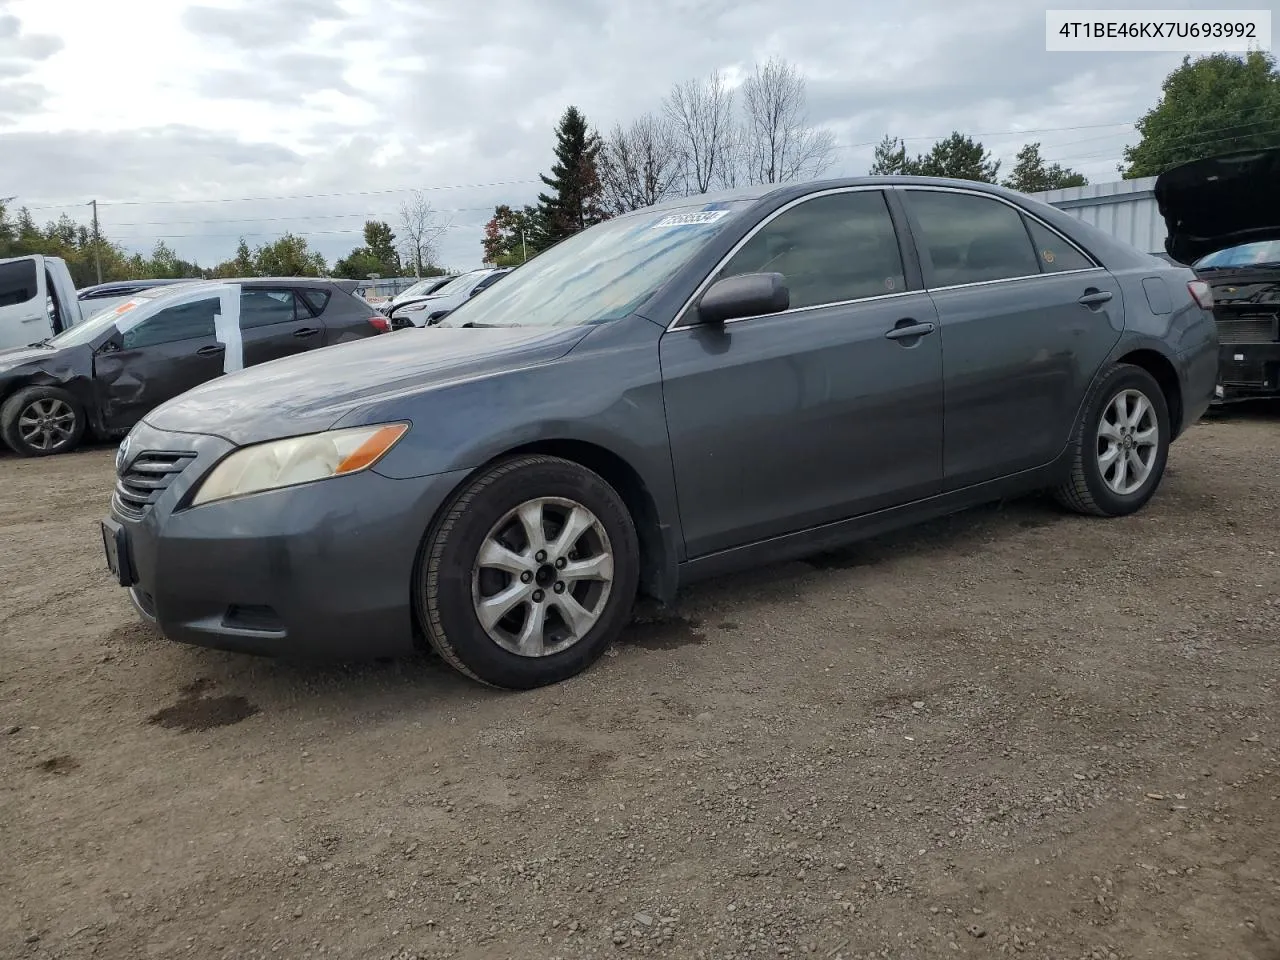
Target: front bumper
x: 318, y: 570
x: 1248, y: 370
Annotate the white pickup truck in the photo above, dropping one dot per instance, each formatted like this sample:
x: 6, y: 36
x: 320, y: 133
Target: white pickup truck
x: 37, y: 300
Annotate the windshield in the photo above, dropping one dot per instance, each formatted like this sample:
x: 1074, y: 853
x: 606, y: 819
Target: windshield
x: 601, y: 274
x: 1245, y: 255
x: 422, y: 286
x: 458, y: 283
x: 98, y: 323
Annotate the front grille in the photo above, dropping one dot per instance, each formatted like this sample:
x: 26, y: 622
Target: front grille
x: 146, y: 478
x: 1246, y: 327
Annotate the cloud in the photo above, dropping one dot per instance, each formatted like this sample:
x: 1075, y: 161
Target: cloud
x: 261, y: 26
x: 346, y: 106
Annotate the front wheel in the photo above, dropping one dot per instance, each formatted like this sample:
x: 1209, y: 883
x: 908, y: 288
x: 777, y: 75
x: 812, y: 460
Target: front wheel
x: 40, y: 421
x: 1121, y: 445
x: 529, y: 574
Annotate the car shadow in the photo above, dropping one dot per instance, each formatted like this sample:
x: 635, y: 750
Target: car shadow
x: 1266, y: 408
x: 222, y: 688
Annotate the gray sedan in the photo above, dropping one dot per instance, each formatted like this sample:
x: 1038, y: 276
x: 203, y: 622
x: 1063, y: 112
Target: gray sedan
x: 679, y: 392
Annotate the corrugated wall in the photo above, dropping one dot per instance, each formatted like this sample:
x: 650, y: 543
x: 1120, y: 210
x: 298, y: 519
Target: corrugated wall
x: 1126, y: 209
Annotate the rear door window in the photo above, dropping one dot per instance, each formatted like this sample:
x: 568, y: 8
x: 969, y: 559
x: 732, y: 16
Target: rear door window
x: 964, y: 238
x: 262, y: 307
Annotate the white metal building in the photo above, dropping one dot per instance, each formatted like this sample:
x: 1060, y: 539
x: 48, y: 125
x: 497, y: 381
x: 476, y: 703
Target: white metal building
x: 1126, y: 209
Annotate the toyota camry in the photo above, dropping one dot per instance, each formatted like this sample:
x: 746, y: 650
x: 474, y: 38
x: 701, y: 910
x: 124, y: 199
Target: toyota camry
x: 675, y: 393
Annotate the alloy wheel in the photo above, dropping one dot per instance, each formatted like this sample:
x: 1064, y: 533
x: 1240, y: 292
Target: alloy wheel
x: 46, y: 424
x: 542, y: 577
x: 1128, y: 442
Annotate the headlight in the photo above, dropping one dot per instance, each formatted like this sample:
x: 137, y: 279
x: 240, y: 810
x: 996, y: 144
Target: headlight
x: 284, y: 463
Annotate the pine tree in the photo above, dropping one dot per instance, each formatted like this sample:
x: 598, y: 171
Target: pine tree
x: 1031, y: 174
x: 574, y: 203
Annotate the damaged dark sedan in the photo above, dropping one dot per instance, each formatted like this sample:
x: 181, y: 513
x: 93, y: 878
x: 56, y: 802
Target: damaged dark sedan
x: 101, y: 376
x: 1223, y: 218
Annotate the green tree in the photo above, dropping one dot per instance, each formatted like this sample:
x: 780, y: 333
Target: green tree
x: 378, y: 255
x: 960, y: 157
x: 1031, y: 175
x: 891, y: 159
x: 512, y: 236
x: 288, y: 257
x: 381, y: 242
x: 1221, y: 103
x: 575, y: 201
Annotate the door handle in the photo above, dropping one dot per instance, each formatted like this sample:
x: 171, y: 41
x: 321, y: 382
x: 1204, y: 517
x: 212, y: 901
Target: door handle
x: 306, y: 332
x: 1093, y: 297
x: 906, y: 329
x: 212, y: 350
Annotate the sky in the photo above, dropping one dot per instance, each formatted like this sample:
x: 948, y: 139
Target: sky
x: 198, y: 123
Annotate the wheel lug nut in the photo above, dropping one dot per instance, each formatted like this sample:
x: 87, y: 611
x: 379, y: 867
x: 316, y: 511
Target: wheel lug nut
x: 561, y: 563
x: 541, y: 556
x: 559, y: 587
x: 538, y: 596
x: 526, y: 577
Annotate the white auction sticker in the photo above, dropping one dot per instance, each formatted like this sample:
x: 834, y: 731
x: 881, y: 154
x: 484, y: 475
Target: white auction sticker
x: 1160, y: 31
x: 681, y: 219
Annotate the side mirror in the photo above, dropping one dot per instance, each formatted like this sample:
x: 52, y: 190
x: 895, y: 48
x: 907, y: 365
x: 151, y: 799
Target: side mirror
x: 746, y: 295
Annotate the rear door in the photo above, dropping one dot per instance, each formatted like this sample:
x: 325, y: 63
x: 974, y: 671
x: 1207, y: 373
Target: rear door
x: 164, y: 349
x: 345, y: 317
x: 1027, y: 319
x: 24, y: 303
x: 274, y: 324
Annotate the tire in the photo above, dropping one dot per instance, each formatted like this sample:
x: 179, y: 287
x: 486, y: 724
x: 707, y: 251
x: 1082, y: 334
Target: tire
x: 64, y: 421
x: 1094, y: 490
x: 452, y: 585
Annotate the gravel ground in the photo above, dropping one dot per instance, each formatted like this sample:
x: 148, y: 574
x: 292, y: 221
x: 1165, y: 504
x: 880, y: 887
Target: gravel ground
x: 1014, y: 732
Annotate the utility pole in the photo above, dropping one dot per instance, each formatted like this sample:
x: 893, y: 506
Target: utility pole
x: 524, y: 247
x: 97, y: 240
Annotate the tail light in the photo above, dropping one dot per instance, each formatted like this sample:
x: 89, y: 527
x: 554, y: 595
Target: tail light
x: 1201, y: 293
x: 380, y: 323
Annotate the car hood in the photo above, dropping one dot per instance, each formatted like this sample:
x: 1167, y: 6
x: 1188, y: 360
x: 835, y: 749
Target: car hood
x: 16, y: 357
x: 313, y: 391
x: 1220, y: 202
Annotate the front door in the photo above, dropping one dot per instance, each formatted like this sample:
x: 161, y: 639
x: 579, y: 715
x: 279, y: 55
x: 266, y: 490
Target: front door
x: 177, y: 344
x: 24, y: 302
x: 783, y: 422
x: 1027, y: 319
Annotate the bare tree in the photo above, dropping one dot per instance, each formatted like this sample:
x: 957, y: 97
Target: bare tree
x: 779, y: 145
x: 422, y: 228
x: 701, y: 111
x: 640, y: 165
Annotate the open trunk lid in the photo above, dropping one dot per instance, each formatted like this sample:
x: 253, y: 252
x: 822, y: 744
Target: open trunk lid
x: 1219, y: 202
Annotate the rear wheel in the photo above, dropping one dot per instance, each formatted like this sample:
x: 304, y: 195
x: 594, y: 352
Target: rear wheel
x: 40, y: 421
x: 529, y: 574
x: 1121, y: 445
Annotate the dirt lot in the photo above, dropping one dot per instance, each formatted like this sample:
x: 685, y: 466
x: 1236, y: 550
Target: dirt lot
x: 1011, y: 733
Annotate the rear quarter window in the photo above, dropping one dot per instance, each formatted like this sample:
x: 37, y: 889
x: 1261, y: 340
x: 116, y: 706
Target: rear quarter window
x: 1054, y: 252
x: 314, y: 299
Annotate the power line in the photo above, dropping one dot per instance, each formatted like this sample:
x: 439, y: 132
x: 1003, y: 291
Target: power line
x: 302, y: 216
x: 269, y: 233
x: 297, y: 196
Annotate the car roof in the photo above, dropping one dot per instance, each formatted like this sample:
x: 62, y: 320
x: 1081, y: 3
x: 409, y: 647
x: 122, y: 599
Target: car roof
x: 121, y: 285
x: 772, y: 191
